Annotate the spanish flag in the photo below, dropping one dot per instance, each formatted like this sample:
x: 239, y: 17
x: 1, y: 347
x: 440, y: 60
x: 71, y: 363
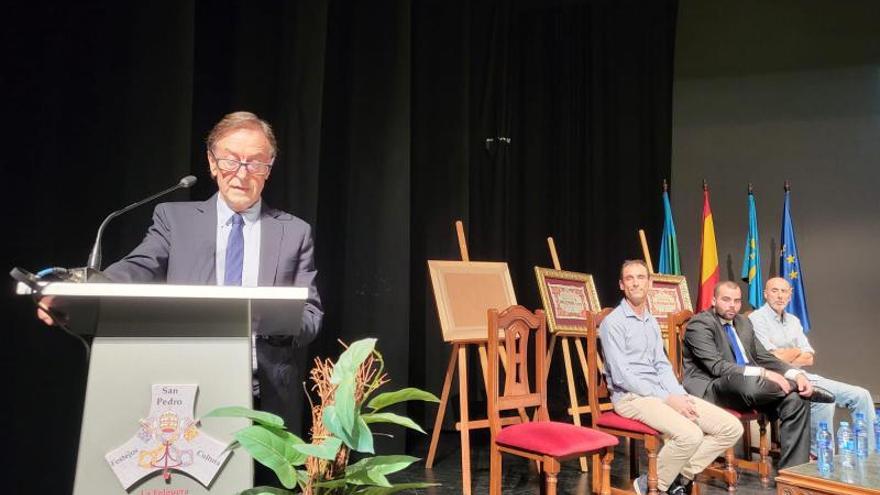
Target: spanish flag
x: 708, y: 256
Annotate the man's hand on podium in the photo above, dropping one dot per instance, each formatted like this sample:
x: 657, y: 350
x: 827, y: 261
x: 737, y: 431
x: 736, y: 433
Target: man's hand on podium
x: 44, y: 316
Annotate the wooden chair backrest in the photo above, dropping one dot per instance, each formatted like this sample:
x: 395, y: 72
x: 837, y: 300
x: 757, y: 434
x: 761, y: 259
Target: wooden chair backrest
x: 516, y: 324
x: 597, y: 391
x: 677, y: 325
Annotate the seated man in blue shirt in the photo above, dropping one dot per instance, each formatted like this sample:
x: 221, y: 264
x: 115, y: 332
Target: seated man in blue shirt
x: 781, y: 333
x: 643, y: 387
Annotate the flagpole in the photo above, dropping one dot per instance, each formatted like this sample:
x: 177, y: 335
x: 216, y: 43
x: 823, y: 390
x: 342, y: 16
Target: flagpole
x: 751, y: 267
x: 790, y: 266
x: 709, y: 269
x: 669, y: 260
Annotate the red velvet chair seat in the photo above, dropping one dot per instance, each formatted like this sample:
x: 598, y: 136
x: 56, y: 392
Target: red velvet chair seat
x: 611, y: 419
x: 744, y: 415
x: 553, y: 438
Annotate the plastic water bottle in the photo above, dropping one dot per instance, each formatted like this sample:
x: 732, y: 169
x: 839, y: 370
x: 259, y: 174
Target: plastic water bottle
x: 860, y: 432
x: 846, y: 445
x: 824, y: 449
x: 877, y: 432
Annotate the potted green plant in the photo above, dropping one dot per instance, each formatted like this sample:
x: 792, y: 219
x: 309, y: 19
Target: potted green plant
x: 341, y: 419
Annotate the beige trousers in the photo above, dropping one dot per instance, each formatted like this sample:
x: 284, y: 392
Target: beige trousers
x: 688, y: 446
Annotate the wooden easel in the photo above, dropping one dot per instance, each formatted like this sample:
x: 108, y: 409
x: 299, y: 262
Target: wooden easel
x: 575, y: 409
x: 668, y: 343
x: 465, y: 425
x: 645, y: 251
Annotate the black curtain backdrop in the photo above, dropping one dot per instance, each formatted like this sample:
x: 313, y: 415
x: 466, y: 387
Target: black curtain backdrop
x: 382, y: 112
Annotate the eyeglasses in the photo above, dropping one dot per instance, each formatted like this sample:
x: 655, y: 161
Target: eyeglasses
x: 230, y: 165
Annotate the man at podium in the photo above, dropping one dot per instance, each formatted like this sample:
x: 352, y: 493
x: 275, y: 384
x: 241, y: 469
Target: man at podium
x: 235, y: 238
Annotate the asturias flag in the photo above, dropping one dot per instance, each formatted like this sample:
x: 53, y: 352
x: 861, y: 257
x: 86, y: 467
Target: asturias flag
x: 709, y: 275
x: 670, y: 262
x: 790, y: 267
x: 751, y: 270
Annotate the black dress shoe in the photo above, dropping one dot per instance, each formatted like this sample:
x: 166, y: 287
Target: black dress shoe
x: 680, y: 486
x: 822, y: 395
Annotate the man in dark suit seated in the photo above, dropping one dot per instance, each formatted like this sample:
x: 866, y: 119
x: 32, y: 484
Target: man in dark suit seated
x: 725, y: 364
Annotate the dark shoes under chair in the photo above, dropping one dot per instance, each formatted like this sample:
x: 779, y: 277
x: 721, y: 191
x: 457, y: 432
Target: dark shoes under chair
x: 679, y: 486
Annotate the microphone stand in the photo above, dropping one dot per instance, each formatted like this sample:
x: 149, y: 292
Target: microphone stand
x: 92, y: 272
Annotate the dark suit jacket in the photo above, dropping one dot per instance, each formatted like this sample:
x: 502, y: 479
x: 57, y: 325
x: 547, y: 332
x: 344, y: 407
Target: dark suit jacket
x: 179, y: 248
x: 707, y: 355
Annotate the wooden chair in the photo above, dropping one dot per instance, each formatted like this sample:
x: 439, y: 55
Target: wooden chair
x: 772, y: 425
x: 547, y: 442
x: 677, y: 326
x: 610, y: 421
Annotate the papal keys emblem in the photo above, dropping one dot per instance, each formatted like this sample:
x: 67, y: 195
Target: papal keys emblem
x: 169, y: 440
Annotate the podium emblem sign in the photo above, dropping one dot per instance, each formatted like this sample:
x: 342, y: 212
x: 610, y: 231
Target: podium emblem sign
x: 167, y: 344
x: 169, y: 439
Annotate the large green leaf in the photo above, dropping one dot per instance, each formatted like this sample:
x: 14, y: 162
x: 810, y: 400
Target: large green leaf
x: 386, y: 399
x: 260, y: 417
x: 382, y: 490
x: 364, y: 438
x: 336, y: 483
x: 270, y: 450
x: 326, y: 450
x: 293, y: 456
x: 391, y: 418
x: 346, y: 410
x: 373, y: 470
x: 302, y: 477
x: 360, y: 440
x: 351, y: 359
x: 385, y: 464
x: 370, y: 476
x: 331, y: 422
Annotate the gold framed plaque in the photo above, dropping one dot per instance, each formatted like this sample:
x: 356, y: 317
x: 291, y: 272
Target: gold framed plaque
x: 668, y: 294
x: 567, y: 297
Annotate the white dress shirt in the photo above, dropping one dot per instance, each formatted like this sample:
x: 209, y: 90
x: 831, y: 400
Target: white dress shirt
x: 250, y: 269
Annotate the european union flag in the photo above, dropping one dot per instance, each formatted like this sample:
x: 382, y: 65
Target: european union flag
x: 751, y: 269
x: 670, y: 262
x: 790, y: 267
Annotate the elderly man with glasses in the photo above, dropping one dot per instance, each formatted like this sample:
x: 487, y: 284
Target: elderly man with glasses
x: 235, y: 238
x: 782, y: 334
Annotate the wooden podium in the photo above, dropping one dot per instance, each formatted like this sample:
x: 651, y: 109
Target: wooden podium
x: 152, y: 334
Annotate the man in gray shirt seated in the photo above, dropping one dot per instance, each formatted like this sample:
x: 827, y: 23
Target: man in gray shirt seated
x: 782, y: 334
x: 643, y: 387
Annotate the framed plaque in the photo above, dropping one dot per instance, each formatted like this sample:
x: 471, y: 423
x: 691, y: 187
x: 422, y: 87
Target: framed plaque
x: 567, y: 297
x: 464, y: 291
x: 668, y: 294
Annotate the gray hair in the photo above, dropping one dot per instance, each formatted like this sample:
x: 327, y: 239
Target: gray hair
x: 241, y: 120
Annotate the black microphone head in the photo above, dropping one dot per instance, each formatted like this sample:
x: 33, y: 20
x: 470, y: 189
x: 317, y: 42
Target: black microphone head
x: 187, y: 181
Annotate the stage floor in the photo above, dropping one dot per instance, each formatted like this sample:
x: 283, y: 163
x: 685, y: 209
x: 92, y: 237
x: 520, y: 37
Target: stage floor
x: 520, y: 478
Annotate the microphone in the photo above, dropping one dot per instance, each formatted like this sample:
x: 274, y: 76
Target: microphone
x: 94, y: 263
